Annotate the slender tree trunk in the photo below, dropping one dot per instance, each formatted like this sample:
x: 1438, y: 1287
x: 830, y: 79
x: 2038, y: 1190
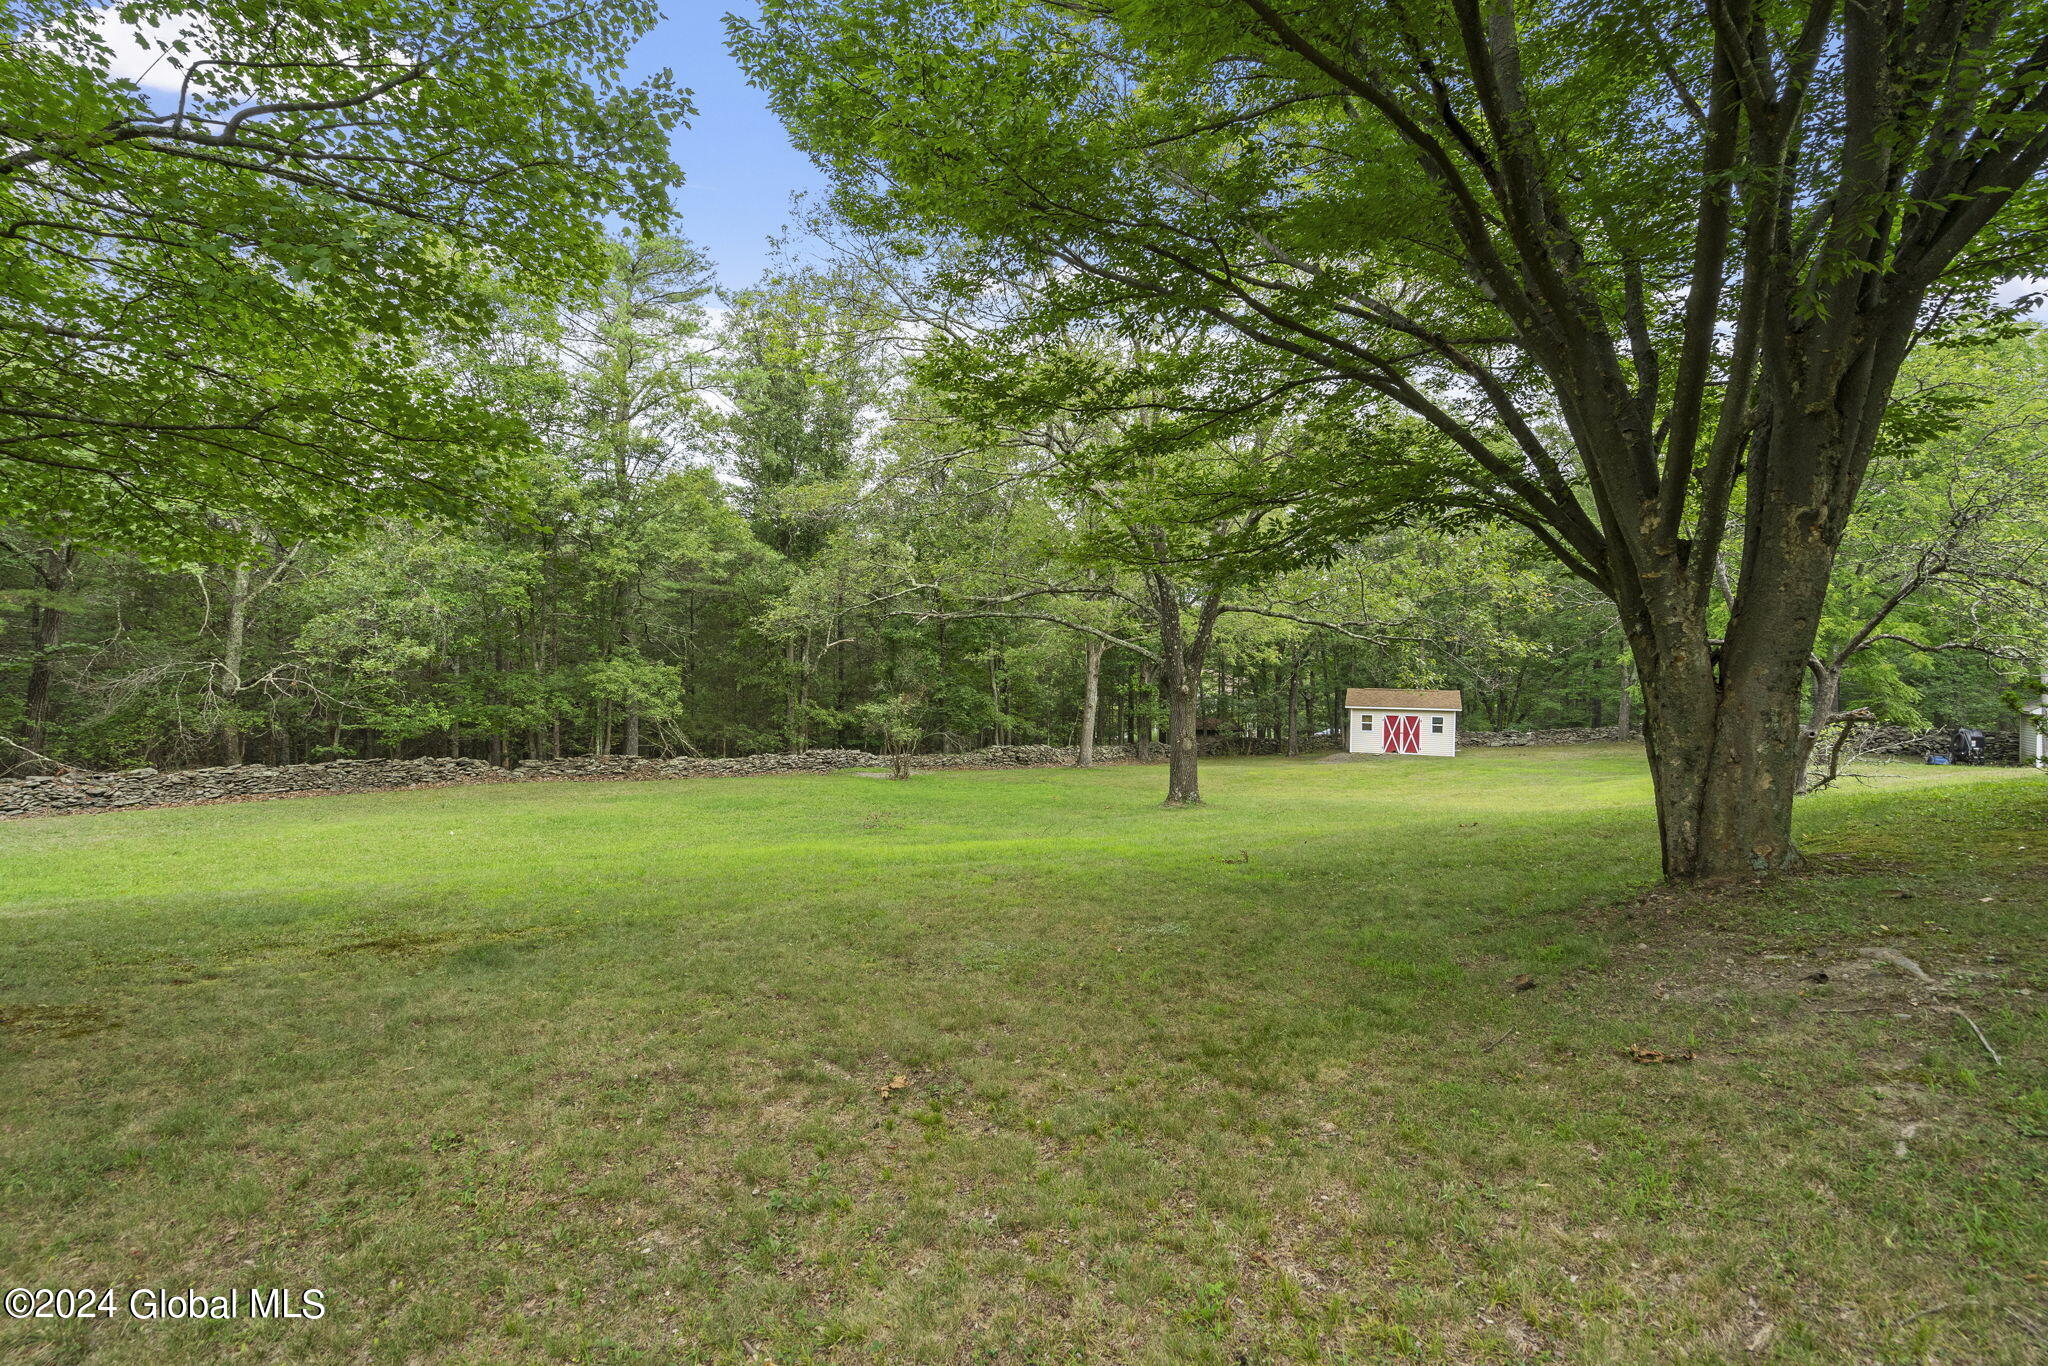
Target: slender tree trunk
x: 1183, y: 747
x: 1294, y: 703
x: 629, y: 729
x: 803, y: 699
x: 842, y: 740
x: 1624, y: 715
x: 1090, y: 697
x: 791, y: 713
x: 54, y: 569
x: 1145, y: 718
x: 1182, y: 655
x: 1827, y: 699
x: 234, y: 637
x: 995, y: 696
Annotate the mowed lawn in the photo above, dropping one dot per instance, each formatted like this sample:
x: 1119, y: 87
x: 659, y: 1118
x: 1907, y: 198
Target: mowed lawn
x: 1019, y: 1067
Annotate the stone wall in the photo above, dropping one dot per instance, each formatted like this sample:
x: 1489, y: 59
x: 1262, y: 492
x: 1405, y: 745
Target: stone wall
x: 149, y: 787
x: 1568, y: 735
x: 1871, y: 742
x: 72, y: 792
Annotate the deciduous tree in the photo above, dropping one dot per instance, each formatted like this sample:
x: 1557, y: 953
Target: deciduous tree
x: 232, y: 285
x: 1647, y: 270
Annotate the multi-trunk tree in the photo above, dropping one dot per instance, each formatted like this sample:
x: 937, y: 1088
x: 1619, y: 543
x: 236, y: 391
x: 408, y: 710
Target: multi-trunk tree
x: 1646, y: 271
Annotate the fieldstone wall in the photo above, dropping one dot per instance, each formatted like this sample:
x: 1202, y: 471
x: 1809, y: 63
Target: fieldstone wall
x: 49, y: 796
x: 1873, y: 742
x: 72, y: 792
x: 1568, y: 735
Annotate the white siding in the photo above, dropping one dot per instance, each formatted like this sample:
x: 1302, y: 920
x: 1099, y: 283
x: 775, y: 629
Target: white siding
x: 1362, y: 740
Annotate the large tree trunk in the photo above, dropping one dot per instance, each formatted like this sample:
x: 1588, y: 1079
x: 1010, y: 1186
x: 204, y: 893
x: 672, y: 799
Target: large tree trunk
x: 1745, y: 823
x: 1727, y: 750
x: 1802, y: 483
x: 1678, y: 717
x: 1722, y: 719
x: 1091, y: 694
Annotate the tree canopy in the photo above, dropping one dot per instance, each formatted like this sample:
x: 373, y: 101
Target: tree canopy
x: 234, y: 286
x: 1648, y: 271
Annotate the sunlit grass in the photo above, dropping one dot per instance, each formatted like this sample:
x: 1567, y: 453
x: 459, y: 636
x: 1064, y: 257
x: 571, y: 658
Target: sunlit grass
x: 604, y: 1072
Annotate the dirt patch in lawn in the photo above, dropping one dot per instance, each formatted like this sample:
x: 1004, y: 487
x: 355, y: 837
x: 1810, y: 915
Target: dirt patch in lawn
x: 64, y: 1022
x: 405, y: 943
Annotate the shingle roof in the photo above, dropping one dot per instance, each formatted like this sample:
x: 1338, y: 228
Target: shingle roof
x: 1393, y: 699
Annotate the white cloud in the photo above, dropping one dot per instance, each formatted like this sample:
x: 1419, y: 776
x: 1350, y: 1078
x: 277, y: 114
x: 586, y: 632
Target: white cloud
x: 148, y: 66
x: 2013, y: 290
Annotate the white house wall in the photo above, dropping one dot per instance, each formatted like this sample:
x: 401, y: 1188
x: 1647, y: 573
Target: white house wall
x: 1443, y: 746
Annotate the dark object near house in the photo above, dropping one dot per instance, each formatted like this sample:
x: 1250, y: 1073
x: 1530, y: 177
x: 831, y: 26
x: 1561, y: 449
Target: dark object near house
x: 1968, y: 746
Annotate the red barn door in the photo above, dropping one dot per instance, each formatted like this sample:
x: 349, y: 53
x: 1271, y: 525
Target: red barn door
x: 1404, y: 735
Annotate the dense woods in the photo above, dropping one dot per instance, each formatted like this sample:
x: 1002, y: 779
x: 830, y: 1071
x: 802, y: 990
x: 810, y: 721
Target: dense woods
x: 749, y: 522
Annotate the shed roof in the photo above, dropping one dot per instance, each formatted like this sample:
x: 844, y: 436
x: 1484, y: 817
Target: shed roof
x: 1393, y: 699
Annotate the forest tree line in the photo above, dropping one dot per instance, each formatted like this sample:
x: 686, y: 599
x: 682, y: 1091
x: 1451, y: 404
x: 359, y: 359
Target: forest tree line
x: 763, y: 518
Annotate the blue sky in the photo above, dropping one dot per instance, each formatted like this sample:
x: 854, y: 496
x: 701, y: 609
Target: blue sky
x: 740, y: 168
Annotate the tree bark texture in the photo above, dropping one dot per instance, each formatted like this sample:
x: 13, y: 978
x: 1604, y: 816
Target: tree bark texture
x: 1091, y: 694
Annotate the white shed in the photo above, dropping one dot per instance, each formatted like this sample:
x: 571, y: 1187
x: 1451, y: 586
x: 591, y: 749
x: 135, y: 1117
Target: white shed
x: 1402, y: 720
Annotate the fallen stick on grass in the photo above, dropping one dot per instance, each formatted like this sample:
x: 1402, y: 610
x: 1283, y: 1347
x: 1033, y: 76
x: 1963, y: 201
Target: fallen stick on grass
x: 1996, y: 1061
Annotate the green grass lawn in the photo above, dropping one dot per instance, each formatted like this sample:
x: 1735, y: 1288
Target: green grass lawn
x: 609, y: 1072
